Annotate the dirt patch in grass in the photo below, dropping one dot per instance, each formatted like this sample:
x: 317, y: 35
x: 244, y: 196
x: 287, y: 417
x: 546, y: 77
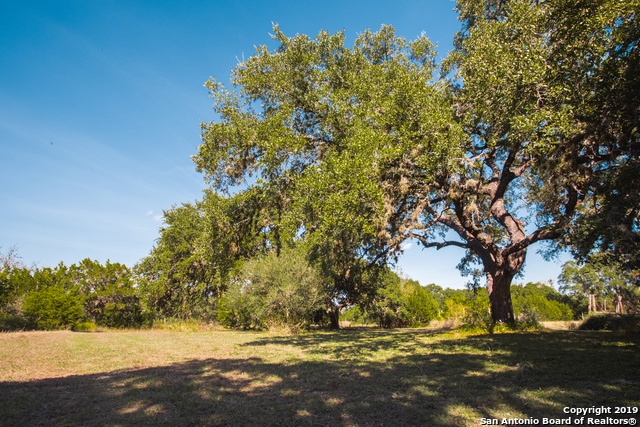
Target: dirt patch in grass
x: 565, y: 325
x: 362, y: 377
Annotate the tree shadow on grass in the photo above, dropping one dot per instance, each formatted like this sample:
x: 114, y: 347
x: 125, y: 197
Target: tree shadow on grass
x: 441, y: 383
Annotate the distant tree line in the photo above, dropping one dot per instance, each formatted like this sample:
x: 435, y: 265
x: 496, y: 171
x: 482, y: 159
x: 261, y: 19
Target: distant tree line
x: 278, y: 291
x: 533, y: 302
x: 62, y: 297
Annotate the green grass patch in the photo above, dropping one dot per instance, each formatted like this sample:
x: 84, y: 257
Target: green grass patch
x: 85, y: 327
x: 362, y: 377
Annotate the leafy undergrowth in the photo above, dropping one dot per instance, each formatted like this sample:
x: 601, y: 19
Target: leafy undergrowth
x: 612, y: 322
x: 361, y: 377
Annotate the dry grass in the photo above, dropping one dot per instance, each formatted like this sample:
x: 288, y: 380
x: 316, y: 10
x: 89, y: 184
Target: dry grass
x: 359, y: 376
x: 567, y: 325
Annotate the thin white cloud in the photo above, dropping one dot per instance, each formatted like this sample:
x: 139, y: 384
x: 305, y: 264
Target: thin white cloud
x: 406, y: 246
x: 149, y: 213
x: 157, y: 217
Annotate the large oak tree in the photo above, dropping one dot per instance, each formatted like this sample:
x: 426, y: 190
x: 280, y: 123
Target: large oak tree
x: 368, y: 150
x: 555, y: 87
x: 316, y: 124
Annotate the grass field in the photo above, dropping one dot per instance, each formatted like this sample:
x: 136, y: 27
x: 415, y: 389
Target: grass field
x: 363, y: 377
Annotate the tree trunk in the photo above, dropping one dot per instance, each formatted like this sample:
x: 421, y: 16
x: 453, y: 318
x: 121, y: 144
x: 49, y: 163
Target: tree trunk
x: 619, y: 308
x: 499, y: 277
x: 334, y: 315
x: 499, y: 287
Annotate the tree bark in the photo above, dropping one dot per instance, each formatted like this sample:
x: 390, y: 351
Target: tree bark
x: 499, y: 288
x: 499, y: 277
x: 334, y: 315
x: 619, y: 308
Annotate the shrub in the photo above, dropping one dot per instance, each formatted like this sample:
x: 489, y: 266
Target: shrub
x: 282, y: 290
x: 13, y: 283
x: 115, y: 310
x: 84, y: 327
x: 611, y: 322
x: 53, y: 308
x: 355, y: 316
x: 393, y: 318
x: 477, y: 313
x: 13, y: 322
x: 234, y: 312
x: 389, y: 307
x: 477, y: 317
x: 12, y: 317
x: 454, y: 309
x: 422, y: 307
x: 110, y: 296
x: 533, y: 306
x: 277, y: 326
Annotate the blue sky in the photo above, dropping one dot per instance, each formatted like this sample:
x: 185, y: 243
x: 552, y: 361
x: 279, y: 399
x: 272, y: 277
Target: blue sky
x: 101, y: 102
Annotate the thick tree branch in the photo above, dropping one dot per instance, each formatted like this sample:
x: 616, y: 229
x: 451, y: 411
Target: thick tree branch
x: 536, y: 236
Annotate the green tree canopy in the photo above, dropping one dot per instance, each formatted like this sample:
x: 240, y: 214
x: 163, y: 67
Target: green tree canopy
x: 538, y: 301
x: 361, y: 148
x: 54, y: 299
x: 110, y: 298
x: 318, y: 124
x: 560, y: 80
x: 201, y: 244
x: 422, y: 306
x: 15, y: 279
x: 599, y: 276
